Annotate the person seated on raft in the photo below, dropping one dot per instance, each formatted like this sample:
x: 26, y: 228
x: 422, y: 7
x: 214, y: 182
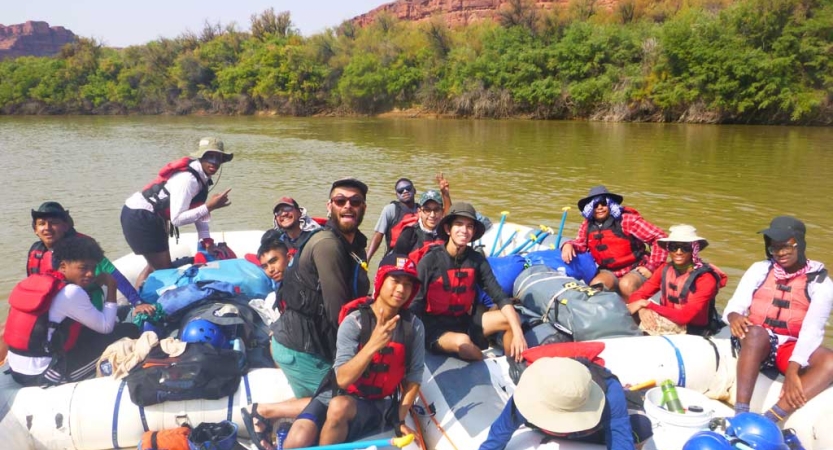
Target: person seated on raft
x: 51, y: 223
x: 376, y: 332
x: 688, y: 288
x: 416, y: 238
x: 77, y: 333
x: 617, y: 237
x: 294, y: 223
x: 395, y: 215
x: 274, y: 257
x: 570, y: 399
x: 777, y: 316
x: 177, y: 197
x: 448, y: 274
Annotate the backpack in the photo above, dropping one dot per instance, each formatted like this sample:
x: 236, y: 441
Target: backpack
x: 202, y: 371
x: 171, y: 439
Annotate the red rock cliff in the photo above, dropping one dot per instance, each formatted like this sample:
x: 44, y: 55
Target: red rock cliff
x: 32, y: 39
x: 455, y: 12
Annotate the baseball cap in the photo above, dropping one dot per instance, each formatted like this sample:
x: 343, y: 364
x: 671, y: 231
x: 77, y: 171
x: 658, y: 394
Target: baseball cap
x: 350, y: 182
x: 431, y: 195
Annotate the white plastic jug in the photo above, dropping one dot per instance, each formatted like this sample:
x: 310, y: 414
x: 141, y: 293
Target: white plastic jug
x: 672, y: 430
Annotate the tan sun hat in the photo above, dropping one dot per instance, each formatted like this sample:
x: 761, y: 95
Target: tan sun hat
x: 212, y: 144
x: 683, y: 233
x: 559, y: 395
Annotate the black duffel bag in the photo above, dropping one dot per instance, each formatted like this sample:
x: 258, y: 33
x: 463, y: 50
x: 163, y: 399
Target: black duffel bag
x: 202, y: 371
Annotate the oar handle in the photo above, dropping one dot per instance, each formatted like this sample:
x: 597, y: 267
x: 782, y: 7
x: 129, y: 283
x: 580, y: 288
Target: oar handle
x: 503, y: 215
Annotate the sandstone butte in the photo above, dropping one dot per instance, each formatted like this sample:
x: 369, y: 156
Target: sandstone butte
x: 455, y: 12
x: 32, y: 39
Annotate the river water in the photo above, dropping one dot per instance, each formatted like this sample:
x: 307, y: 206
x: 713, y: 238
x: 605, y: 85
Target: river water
x: 728, y: 181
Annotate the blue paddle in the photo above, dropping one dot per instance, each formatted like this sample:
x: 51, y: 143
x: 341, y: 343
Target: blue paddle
x: 399, y: 442
x: 506, y: 244
x: 503, y: 215
x: 561, y: 227
x: 531, y: 238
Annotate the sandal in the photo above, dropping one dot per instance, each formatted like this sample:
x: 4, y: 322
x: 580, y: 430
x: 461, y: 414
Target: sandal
x: 249, y: 421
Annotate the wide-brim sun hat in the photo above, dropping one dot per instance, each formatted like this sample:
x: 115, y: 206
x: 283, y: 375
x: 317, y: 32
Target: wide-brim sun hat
x: 51, y: 209
x: 596, y: 191
x: 560, y: 396
x: 215, y: 145
x: 682, y: 233
x: 461, y: 209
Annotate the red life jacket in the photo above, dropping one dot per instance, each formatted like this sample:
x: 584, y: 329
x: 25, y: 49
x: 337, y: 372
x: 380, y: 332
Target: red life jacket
x: 388, y: 367
x: 453, y: 292
x: 782, y: 307
x: 675, y: 289
x: 417, y: 254
x: 162, y: 206
x: 611, y: 248
x: 28, y: 325
x: 396, y: 230
x: 401, y: 215
x: 40, y: 257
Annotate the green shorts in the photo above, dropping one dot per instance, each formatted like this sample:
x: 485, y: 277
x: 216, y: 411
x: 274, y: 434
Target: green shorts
x: 304, y: 371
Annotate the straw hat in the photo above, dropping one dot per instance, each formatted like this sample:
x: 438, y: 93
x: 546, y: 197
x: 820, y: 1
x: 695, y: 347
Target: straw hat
x: 559, y: 395
x: 683, y: 233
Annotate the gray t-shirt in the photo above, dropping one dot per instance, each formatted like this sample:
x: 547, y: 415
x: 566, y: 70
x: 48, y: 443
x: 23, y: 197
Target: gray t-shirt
x: 387, y: 216
x: 347, y: 345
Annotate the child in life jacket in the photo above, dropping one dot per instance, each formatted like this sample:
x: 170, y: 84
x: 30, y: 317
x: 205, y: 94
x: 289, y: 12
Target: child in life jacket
x: 448, y: 274
x: 54, y: 333
x: 688, y: 288
x: 378, y: 367
x: 777, y: 316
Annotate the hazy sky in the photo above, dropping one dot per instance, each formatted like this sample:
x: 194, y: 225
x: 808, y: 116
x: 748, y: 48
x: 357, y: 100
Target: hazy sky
x: 120, y: 23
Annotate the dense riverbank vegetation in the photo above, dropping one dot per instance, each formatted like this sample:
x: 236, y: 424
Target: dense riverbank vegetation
x: 750, y: 61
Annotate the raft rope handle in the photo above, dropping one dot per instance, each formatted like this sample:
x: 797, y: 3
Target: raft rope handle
x: 144, y: 419
x: 680, y: 363
x: 436, y: 422
x: 115, y: 429
x: 231, y: 397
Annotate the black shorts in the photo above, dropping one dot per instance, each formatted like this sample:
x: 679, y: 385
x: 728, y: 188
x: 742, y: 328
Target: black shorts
x: 436, y: 326
x: 144, y: 231
x: 370, y: 415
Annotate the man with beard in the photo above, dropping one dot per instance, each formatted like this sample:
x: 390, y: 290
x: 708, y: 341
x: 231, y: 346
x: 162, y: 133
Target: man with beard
x: 327, y: 271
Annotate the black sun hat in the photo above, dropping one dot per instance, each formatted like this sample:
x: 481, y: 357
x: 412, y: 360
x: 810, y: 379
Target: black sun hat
x: 461, y: 209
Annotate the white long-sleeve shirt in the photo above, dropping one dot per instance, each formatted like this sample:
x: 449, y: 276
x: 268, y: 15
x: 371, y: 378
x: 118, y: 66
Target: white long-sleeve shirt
x: 70, y: 302
x: 811, y: 334
x: 183, y: 187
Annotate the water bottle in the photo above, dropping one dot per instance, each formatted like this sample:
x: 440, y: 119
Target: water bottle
x: 106, y: 368
x: 280, y: 434
x: 562, y: 272
x: 670, y: 399
x: 239, y: 347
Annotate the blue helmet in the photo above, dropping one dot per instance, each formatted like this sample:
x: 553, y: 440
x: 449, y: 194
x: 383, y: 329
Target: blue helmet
x: 756, y: 431
x: 707, y: 440
x: 201, y: 330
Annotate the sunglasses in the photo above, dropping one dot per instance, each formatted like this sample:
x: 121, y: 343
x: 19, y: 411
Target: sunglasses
x: 355, y: 201
x: 675, y: 246
x: 285, y: 209
x: 601, y: 203
x: 404, y: 189
x: 785, y: 248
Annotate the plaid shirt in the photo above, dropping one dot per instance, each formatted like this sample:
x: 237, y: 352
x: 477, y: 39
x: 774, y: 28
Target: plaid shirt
x: 632, y: 225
